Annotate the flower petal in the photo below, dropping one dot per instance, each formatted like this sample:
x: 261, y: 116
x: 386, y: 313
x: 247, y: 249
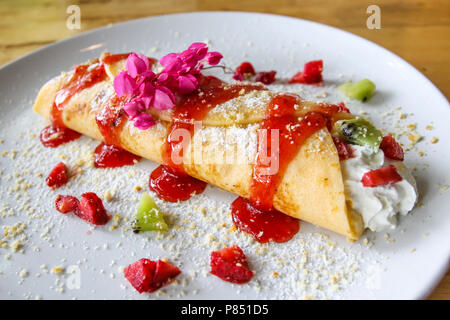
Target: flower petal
x: 136, y: 65
x: 144, y: 121
x: 124, y: 84
x: 162, y: 100
x: 134, y: 108
x: 187, y: 84
x: 171, y: 62
x: 214, y: 57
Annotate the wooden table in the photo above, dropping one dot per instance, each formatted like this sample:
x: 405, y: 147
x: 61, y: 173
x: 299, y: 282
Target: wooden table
x: 417, y: 30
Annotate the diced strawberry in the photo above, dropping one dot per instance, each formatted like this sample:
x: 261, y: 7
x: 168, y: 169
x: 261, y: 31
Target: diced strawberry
x: 164, y: 274
x: 65, y: 204
x: 381, y: 176
x: 91, y: 209
x: 266, y: 77
x: 58, y: 176
x: 140, y: 274
x: 343, y: 108
x: 312, y: 73
x: 391, y: 148
x: 344, y: 150
x: 230, y: 264
x: 246, y: 67
x: 148, y: 276
x: 238, y: 76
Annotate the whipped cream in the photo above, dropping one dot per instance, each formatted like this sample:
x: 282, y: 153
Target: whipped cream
x: 380, y: 205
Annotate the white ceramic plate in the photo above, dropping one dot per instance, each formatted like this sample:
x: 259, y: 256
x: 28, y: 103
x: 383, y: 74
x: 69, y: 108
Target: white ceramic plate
x: 407, y: 263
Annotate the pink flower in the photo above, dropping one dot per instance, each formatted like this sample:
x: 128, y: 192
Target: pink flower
x: 163, y: 99
x: 137, y: 64
x: 147, y: 89
x: 124, y: 84
x: 214, y: 57
x: 144, y: 121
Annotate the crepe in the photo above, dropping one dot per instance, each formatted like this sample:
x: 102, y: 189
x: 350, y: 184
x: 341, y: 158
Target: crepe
x: 312, y: 188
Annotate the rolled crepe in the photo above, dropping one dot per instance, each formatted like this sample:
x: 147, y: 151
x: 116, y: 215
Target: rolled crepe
x: 312, y: 188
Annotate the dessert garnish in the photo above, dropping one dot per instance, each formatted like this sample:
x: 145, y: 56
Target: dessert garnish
x: 171, y: 185
x: 361, y: 90
x: 381, y: 177
x: 391, y: 148
x: 58, y: 176
x: 148, y: 276
x: 160, y: 91
x: 311, y: 74
x: 53, y: 136
x: 90, y: 208
x: 110, y: 156
x: 148, y: 217
x: 244, y: 71
x: 266, y: 77
x: 344, y: 150
x: 230, y: 264
x: 66, y: 204
x: 263, y: 224
x: 359, y: 131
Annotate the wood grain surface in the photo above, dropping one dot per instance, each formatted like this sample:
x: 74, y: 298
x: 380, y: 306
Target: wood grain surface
x: 417, y: 30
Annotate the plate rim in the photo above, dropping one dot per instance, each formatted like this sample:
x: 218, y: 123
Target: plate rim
x: 445, y: 268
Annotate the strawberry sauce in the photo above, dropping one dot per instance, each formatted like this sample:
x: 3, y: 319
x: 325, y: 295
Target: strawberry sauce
x: 110, y: 121
x: 257, y: 215
x: 84, y: 76
x: 52, y: 136
x: 292, y: 134
x: 170, y: 182
x: 195, y: 107
x: 174, y: 186
x: 263, y: 225
x: 110, y: 156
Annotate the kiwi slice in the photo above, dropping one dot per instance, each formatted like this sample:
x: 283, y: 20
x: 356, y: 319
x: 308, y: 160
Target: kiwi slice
x: 359, y: 131
x: 148, y: 217
x: 361, y: 90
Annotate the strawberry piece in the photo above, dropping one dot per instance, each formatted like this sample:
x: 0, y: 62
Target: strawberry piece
x: 164, y: 274
x: 312, y: 73
x: 266, y: 77
x: 65, y: 204
x: 244, y: 69
x: 148, y: 276
x: 58, y: 176
x: 391, y: 148
x: 140, y: 274
x: 381, y: 176
x: 91, y: 209
x: 344, y: 150
x: 230, y: 264
x: 343, y: 108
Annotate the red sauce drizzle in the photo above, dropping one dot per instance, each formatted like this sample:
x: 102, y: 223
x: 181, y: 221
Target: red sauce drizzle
x: 110, y: 121
x: 110, y: 156
x: 82, y: 78
x: 195, y: 107
x: 170, y: 182
x: 257, y: 216
x: 52, y: 136
x: 113, y: 58
x: 173, y: 186
x: 263, y: 225
x: 292, y: 134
